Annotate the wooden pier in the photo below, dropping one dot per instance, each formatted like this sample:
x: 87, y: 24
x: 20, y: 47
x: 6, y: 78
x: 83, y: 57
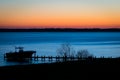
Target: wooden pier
x: 51, y: 58
x: 57, y: 58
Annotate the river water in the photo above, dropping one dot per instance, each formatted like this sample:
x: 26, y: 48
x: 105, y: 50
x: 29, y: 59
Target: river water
x: 46, y: 43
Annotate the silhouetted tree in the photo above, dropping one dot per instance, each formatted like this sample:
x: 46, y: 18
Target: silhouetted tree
x: 65, y: 50
x: 83, y: 54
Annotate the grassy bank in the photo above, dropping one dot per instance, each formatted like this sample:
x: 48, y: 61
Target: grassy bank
x: 83, y: 69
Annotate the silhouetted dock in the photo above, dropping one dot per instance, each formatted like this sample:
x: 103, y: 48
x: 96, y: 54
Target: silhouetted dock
x: 57, y: 58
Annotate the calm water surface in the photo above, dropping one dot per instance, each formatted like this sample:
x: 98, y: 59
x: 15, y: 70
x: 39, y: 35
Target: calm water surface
x: 46, y: 43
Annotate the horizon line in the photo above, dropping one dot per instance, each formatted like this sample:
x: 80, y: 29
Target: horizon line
x: 59, y: 28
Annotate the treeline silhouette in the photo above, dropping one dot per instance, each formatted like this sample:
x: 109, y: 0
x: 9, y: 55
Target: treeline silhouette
x: 62, y: 30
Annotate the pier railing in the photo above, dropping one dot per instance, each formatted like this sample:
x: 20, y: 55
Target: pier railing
x: 58, y: 58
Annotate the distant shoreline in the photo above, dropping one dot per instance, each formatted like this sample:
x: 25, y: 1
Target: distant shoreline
x: 61, y: 30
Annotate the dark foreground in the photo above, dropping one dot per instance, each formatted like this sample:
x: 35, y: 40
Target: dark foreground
x: 71, y: 70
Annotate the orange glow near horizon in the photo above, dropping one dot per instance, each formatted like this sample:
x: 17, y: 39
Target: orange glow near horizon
x: 60, y: 14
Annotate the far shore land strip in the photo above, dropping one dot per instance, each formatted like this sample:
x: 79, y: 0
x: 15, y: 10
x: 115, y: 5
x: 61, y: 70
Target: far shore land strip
x: 61, y: 30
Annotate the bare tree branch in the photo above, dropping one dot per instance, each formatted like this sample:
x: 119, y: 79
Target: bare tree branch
x: 66, y: 50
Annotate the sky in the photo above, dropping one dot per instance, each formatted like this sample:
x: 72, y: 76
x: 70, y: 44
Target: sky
x: 59, y: 13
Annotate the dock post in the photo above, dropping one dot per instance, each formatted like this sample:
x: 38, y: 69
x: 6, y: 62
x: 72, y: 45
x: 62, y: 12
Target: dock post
x: 4, y: 57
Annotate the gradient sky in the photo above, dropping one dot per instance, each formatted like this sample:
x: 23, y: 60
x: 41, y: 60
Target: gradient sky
x: 59, y: 13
